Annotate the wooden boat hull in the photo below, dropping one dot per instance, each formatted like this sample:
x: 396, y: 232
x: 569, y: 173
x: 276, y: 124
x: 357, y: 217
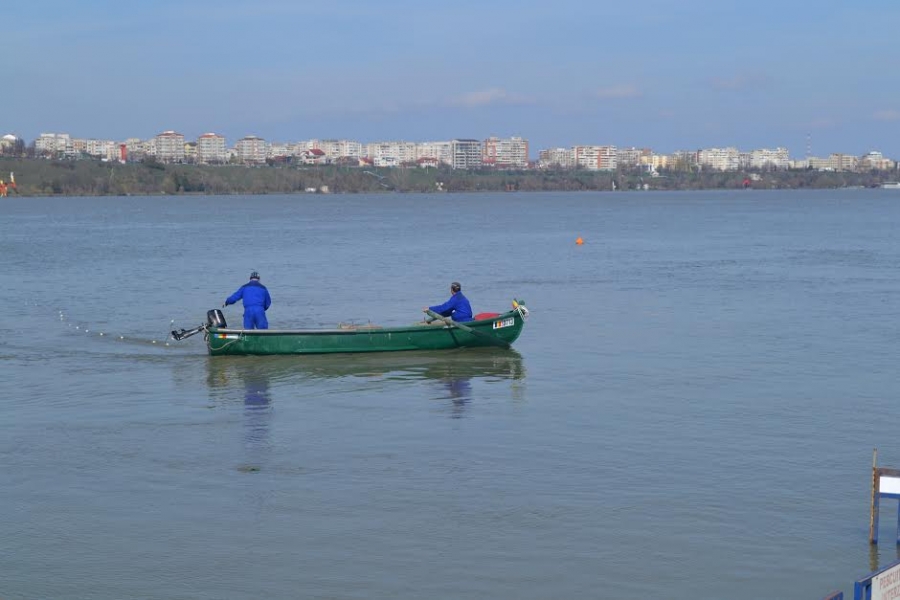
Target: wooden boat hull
x: 499, y: 331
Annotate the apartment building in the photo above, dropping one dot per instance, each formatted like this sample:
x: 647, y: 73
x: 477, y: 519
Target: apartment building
x: 105, y: 149
x: 843, y: 162
x: 102, y: 149
x: 54, y: 144
x: 595, y: 158
x: 720, y: 159
x: 508, y: 153
x: 279, y: 150
x: 434, y: 153
x: 251, y: 150
x: 391, y: 154
x: 655, y: 162
x: 465, y: 154
x: 333, y: 149
x: 211, y: 149
x: 168, y: 147
x: 560, y: 158
x: 876, y: 161
x: 190, y: 152
x: 631, y: 157
x: 136, y: 148
x: 764, y: 158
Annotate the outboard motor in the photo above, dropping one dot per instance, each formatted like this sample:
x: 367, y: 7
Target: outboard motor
x: 215, y: 318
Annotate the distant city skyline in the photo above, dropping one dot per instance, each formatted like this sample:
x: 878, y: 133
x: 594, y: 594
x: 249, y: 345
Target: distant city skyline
x: 504, y: 153
x: 64, y: 144
x: 650, y: 74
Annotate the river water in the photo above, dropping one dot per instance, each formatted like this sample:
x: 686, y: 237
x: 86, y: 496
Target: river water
x: 689, y: 413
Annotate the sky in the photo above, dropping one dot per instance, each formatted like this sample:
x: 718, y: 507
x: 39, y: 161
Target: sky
x: 817, y: 77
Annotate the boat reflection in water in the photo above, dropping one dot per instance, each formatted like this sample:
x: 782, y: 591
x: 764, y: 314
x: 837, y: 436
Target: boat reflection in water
x: 249, y: 383
x: 452, y: 370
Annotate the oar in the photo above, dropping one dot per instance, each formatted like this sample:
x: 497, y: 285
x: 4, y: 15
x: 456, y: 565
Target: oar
x: 447, y: 320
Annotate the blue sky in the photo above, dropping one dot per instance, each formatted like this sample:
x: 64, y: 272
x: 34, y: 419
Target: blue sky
x: 664, y: 74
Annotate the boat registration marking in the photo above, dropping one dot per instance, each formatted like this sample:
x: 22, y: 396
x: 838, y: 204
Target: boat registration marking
x: 228, y: 336
x: 504, y: 323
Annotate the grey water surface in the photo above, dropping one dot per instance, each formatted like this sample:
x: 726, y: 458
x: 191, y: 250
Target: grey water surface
x: 690, y: 411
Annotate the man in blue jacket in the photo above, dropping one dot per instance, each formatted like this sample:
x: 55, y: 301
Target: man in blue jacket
x: 457, y: 307
x: 256, y: 302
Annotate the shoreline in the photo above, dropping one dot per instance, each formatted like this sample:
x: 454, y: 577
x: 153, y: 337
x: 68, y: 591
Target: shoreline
x: 48, y: 178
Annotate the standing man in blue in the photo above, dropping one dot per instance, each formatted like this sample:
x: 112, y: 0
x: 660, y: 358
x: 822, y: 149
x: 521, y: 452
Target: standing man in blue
x: 256, y: 302
x: 457, y: 307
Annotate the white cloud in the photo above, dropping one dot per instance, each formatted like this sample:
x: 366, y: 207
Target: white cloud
x: 738, y: 82
x: 822, y: 123
x: 887, y: 115
x: 625, y: 90
x: 488, y: 97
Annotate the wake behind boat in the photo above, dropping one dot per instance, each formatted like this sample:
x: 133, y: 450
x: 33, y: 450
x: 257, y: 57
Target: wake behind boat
x: 488, y: 329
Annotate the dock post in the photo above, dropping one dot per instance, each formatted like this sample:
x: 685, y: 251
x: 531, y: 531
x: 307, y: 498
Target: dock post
x: 873, y: 514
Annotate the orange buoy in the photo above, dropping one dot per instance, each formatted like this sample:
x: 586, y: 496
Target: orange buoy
x: 579, y: 242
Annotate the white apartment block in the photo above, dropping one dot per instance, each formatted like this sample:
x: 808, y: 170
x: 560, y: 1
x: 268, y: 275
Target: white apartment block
x: 779, y: 158
x: 442, y: 152
x: 279, y: 150
x: 819, y: 164
x: 876, y: 161
x: 391, y: 154
x: 509, y: 153
x: 83, y: 147
x: 843, y: 162
x: 190, y: 152
x: 211, y: 149
x: 563, y: 158
x: 333, y: 149
x: 53, y: 144
x: 655, y: 162
x: 137, y: 148
x: 102, y: 149
x: 631, y: 157
x: 168, y: 147
x: 835, y: 162
x: 681, y: 159
x: 465, y: 154
x: 251, y: 150
x: 720, y: 159
x: 595, y: 158
x: 105, y: 149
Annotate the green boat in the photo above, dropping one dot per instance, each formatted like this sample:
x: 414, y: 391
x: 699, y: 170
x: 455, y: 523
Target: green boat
x: 489, y: 329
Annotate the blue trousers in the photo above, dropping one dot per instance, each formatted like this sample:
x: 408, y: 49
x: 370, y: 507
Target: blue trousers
x: 255, y: 318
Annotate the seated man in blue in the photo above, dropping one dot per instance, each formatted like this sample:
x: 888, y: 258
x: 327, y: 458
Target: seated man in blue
x: 256, y: 302
x: 457, y: 307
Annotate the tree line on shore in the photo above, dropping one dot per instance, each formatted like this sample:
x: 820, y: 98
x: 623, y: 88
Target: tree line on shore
x: 38, y: 177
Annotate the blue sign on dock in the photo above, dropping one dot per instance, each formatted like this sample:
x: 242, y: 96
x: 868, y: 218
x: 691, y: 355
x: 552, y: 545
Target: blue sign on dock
x: 880, y: 585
